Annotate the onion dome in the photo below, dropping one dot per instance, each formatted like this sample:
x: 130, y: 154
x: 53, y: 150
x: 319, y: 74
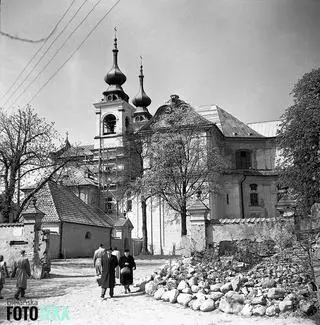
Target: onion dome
x: 115, y: 78
x: 141, y: 99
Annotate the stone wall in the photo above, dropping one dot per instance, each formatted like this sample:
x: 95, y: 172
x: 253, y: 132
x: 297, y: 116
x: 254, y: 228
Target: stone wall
x: 237, y: 229
x: 15, y: 237
x: 12, y: 241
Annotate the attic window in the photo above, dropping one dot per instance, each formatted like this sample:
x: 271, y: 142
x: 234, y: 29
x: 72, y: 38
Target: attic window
x: 87, y: 235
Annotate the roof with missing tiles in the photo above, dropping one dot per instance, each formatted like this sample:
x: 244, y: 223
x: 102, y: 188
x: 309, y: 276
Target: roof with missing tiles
x: 267, y: 128
x: 229, y: 125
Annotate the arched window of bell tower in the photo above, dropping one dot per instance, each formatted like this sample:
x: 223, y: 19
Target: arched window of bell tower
x: 109, y: 124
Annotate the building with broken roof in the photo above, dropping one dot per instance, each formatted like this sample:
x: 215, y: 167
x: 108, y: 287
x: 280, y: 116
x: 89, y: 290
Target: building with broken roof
x: 248, y: 184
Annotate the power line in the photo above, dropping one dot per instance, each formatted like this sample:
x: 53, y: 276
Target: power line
x: 72, y: 54
x: 27, y: 40
x: 43, y: 55
x: 36, y: 53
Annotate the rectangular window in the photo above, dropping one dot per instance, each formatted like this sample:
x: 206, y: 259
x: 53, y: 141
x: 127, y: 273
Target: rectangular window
x: 254, y: 199
x: 253, y: 187
x: 227, y: 198
x: 129, y: 205
x: 243, y: 159
x: 117, y: 234
x: 108, y: 204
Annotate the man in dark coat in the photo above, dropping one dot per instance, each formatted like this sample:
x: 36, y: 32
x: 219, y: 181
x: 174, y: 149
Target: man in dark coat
x: 109, y: 263
x: 127, y: 264
x: 22, y: 270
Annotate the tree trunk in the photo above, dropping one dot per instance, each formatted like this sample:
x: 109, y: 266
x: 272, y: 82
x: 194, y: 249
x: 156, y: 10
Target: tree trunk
x: 144, y: 226
x: 184, y: 220
x: 184, y: 210
x: 8, y: 197
x: 6, y: 208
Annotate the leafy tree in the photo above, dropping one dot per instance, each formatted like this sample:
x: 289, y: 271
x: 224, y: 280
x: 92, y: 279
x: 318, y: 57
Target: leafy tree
x: 26, y: 144
x: 181, y: 160
x: 299, y: 141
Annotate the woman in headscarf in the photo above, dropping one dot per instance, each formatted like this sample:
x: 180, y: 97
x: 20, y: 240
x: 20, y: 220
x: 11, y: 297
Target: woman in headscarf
x: 127, y: 265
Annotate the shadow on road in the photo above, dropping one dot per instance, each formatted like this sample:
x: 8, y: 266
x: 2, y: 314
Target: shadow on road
x: 56, y: 276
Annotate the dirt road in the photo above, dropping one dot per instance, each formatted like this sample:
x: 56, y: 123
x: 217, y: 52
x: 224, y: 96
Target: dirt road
x: 73, y: 285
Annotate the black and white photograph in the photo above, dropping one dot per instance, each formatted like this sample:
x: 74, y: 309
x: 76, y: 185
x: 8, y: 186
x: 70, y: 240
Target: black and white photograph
x: 160, y: 162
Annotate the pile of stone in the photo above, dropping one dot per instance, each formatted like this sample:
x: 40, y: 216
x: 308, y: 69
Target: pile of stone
x: 269, y: 288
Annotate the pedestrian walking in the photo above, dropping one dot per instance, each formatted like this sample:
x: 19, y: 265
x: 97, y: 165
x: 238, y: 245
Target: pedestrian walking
x: 127, y: 265
x: 116, y: 253
x: 21, y: 269
x: 109, y: 263
x: 3, y: 274
x: 97, y: 259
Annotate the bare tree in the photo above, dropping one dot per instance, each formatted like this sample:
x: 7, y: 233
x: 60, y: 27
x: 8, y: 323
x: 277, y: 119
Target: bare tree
x: 26, y: 145
x: 181, y: 160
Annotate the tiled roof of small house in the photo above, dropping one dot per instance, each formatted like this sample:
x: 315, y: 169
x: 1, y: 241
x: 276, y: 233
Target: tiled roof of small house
x: 60, y: 204
x: 227, y: 123
x: 267, y: 128
x: 122, y: 222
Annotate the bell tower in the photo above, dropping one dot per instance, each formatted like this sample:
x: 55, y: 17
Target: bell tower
x: 141, y: 101
x: 114, y: 115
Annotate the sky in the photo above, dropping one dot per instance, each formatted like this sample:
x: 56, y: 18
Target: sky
x: 242, y: 55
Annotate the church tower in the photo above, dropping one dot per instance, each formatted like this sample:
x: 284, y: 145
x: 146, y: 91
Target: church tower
x: 141, y: 101
x: 114, y: 115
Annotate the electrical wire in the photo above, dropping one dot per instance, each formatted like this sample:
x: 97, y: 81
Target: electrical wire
x: 73, y: 53
x: 44, y: 54
x: 36, y: 53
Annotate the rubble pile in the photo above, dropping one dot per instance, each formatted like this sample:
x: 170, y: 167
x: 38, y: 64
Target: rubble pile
x: 273, y: 286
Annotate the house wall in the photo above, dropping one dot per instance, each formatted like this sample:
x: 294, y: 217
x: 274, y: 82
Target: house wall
x: 263, y: 152
x: 229, y: 197
x: 123, y: 242
x: 74, y: 243
x: 163, y: 225
x: 167, y: 225
x: 54, y: 247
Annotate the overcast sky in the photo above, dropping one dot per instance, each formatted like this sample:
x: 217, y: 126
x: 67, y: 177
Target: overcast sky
x: 242, y: 55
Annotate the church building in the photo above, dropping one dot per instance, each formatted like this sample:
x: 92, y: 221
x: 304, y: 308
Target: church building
x: 247, y: 185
